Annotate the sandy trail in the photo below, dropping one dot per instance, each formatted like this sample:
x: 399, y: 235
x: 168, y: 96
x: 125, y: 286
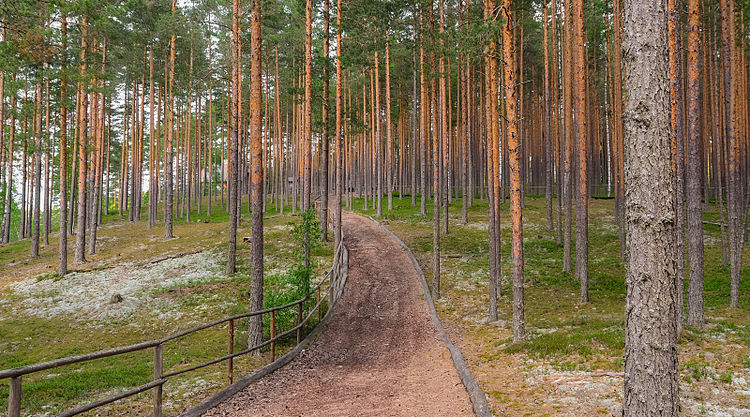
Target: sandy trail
x: 380, y: 354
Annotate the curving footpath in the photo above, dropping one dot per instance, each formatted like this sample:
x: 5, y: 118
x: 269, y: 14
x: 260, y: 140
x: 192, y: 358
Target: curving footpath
x: 380, y: 355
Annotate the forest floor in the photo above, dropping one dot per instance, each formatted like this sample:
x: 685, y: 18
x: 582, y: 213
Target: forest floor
x: 572, y: 361
x: 380, y: 354
x: 139, y: 286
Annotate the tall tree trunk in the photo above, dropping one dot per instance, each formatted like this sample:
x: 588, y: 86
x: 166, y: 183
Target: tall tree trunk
x: 556, y: 124
x: 169, y: 154
x: 695, y: 316
x: 414, y: 101
x: 152, y: 180
x: 490, y: 102
x: 325, y: 151
x: 234, y: 189
x: 82, y: 149
x: 515, y: 173
x: 618, y: 126
x: 63, y: 249
x: 378, y: 139
x: 255, y: 332
x: 388, y: 138
x: 339, y: 150
x: 48, y: 154
x: 423, y: 114
x: 735, y: 190
x: 651, y: 372
x: 678, y: 149
x: 436, y: 198
x: 568, y: 109
x: 464, y: 129
x: 444, y: 126
x: 5, y: 238
x: 547, y: 135
x: 37, y: 167
x: 579, y: 107
x: 95, y: 183
x: 307, y: 112
x: 2, y: 122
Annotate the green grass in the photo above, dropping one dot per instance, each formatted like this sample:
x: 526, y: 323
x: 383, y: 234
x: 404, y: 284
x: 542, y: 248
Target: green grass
x: 28, y: 339
x: 559, y: 325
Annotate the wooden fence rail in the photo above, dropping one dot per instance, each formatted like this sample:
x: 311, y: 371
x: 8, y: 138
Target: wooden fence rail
x: 334, y: 277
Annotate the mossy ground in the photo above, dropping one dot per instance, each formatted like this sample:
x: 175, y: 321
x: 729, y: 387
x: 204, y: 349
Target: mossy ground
x: 26, y: 339
x: 572, y: 360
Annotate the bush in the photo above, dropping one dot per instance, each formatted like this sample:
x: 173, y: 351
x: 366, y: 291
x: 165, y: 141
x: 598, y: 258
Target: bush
x: 296, y: 283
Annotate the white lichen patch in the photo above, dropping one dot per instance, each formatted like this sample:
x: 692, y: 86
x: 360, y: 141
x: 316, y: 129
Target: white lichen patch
x: 478, y: 225
x: 114, y: 292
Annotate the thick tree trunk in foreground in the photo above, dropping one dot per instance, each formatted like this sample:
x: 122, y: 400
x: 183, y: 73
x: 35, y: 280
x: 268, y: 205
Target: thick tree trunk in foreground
x: 651, y: 372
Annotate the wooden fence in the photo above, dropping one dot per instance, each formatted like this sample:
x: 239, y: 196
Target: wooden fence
x: 335, y: 278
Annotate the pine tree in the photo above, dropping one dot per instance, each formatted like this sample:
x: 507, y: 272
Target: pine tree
x: 651, y: 372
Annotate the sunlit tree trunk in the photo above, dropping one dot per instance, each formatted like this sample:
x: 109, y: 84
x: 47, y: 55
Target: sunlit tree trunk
x: 515, y: 173
x: 255, y: 332
x: 82, y: 149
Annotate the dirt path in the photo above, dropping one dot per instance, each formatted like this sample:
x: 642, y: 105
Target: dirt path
x: 380, y: 355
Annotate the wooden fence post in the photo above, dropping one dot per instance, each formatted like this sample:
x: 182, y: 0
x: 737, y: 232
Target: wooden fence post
x: 299, y: 322
x: 230, y: 362
x: 14, y: 400
x: 158, y: 365
x: 273, y: 334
